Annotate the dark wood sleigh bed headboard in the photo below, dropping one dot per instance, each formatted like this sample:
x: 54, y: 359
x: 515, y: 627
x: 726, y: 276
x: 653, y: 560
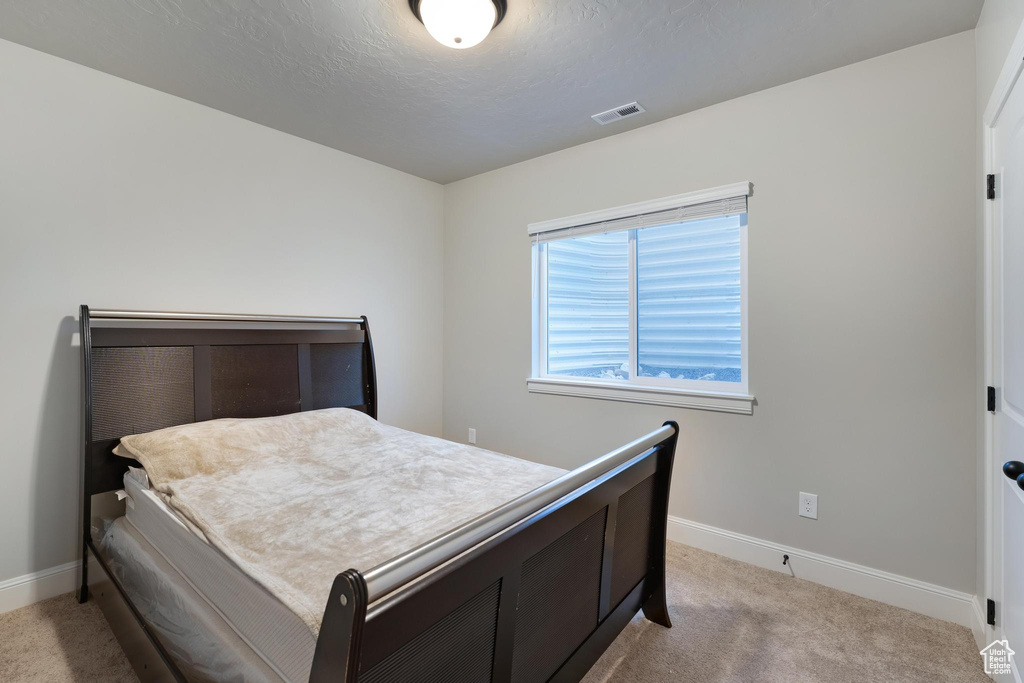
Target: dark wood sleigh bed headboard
x: 144, y: 370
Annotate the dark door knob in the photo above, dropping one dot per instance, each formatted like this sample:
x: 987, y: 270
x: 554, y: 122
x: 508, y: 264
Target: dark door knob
x: 1015, y: 470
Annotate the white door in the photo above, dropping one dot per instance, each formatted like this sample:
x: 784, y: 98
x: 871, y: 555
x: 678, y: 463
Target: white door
x: 1007, y: 366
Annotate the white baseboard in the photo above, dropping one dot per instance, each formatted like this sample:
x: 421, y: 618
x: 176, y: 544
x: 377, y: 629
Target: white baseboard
x: 917, y: 596
x: 901, y: 591
x: 22, y: 591
x: 978, y: 626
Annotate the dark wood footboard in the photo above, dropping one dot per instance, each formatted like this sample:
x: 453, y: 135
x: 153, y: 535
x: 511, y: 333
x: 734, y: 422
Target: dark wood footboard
x: 540, y: 599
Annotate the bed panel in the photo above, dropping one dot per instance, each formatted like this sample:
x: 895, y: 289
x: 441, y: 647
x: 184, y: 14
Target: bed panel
x: 139, y: 389
x: 338, y: 375
x: 632, y: 556
x: 559, y: 594
x: 256, y: 380
x: 457, y: 649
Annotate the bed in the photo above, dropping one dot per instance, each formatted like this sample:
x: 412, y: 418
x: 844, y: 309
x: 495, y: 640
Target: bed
x: 531, y: 584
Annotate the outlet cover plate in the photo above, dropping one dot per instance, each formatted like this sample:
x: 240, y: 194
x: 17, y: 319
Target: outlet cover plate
x: 472, y: 435
x: 808, y: 505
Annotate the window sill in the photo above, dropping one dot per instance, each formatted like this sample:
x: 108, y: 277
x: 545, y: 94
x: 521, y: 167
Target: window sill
x: 631, y: 393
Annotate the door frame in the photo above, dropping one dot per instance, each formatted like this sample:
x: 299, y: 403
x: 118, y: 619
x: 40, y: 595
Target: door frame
x: 992, y: 494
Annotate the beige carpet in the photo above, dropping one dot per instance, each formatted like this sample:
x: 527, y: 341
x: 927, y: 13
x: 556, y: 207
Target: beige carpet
x: 60, y: 640
x: 734, y: 623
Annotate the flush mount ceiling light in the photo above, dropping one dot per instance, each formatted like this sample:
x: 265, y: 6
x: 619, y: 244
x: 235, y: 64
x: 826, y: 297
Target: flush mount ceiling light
x: 459, y: 23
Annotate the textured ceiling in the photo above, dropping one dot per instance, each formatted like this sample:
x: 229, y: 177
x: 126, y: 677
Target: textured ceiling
x: 364, y: 76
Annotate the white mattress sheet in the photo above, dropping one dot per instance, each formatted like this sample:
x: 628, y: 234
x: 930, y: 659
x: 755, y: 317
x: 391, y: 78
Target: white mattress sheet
x: 197, y: 638
x: 275, y: 633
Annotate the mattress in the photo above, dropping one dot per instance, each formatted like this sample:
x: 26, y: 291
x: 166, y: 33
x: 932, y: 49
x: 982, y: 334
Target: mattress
x: 197, y: 638
x: 275, y: 634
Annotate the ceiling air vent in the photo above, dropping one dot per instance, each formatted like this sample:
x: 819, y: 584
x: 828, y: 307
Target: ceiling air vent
x: 625, y: 111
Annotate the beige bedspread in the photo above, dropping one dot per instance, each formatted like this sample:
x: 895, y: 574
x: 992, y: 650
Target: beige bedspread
x: 296, y: 499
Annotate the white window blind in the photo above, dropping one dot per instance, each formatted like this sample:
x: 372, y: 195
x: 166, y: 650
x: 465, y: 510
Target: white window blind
x: 689, y: 279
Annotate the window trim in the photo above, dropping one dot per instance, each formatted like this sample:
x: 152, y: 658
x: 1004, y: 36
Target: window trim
x: 730, y: 397
x: 674, y: 397
x: 649, y: 206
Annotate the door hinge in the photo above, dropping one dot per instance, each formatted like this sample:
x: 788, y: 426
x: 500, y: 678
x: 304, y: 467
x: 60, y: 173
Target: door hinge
x: 991, y: 399
x: 990, y: 186
x: 991, y: 617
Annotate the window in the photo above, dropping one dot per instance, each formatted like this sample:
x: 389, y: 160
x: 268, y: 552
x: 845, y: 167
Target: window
x: 645, y: 303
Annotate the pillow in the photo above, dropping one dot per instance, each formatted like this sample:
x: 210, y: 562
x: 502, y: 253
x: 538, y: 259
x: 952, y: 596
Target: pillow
x: 210, y: 446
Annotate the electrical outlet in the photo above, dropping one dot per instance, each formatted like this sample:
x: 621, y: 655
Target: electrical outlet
x: 472, y: 435
x: 808, y: 505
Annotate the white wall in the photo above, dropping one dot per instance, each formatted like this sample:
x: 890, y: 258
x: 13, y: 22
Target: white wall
x: 997, y: 27
x: 862, y: 310
x: 115, y: 195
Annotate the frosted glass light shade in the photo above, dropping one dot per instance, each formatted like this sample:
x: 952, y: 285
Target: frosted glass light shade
x: 458, y: 23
